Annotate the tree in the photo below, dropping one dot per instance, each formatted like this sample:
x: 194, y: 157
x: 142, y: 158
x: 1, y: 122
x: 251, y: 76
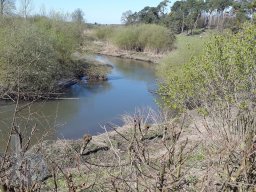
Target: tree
x: 26, y: 7
x: 149, y: 15
x: 78, y: 16
x: 185, y: 14
x: 179, y: 10
x: 6, y: 6
x: 127, y: 17
x: 195, y: 9
x: 162, y: 7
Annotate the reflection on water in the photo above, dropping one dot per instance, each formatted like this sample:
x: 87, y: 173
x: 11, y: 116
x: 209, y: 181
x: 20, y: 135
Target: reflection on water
x: 93, y: 104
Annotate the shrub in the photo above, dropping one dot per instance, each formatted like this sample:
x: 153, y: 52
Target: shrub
x: 153, y: 38
x: 225, y: 72
x: 35, y: 54
x: 65, y: 36
x: 127, y: 38
x: 27, y: 60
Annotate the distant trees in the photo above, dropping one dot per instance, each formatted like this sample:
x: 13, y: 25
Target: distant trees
x: 78, y: 16
x: 148, y: 15
x: 25, y: 8
x: 191, y: 14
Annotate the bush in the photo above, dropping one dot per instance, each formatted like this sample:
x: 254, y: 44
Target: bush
x: 224, y: 73
x: 153, y: 38
x: 65, y: 36
x: 127, y: 38
x: 27, y: 60
x: 35, y: 54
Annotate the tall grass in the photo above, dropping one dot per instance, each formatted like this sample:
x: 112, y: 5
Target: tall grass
x: 103, y: 32
x: 151, y: 38
x: 186, y: 47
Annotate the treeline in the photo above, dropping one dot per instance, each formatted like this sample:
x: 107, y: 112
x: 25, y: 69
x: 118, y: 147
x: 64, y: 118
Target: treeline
x: 187, y: 15
x: 36, y: 51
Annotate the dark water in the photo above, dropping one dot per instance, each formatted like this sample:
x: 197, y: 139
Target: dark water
x: 92, y: 105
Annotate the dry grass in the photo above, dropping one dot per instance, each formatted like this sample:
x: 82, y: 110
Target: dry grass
x: 156, y: 152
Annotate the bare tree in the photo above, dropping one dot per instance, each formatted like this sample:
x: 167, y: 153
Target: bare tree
x: 26, y: 7
x: 78, y: 16
x: 6, y: 6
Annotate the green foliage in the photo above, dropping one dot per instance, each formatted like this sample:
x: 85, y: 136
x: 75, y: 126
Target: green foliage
x: 65, y: 36
x: 188, y: 15
x: 35, y: 54
x: 225, y: 72
x: 148, y: 15
x: 27, y: 60
x: 153, y: 38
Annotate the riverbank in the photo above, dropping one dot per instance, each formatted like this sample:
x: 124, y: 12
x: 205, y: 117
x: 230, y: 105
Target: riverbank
x: 104, y: 48
x: 85, y: 67
x: 182, y: 154
x: 120, y: 153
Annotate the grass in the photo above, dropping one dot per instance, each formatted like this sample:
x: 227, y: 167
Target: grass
x: 140, y: 38
x: 103, y: 32
x: 186, y: 47
x: 152, y: 38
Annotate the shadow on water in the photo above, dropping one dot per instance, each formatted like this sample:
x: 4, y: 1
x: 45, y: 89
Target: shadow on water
x: 93, y: 104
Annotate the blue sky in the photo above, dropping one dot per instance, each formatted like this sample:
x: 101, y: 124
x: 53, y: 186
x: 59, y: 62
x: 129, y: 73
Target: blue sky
x: 100, y: 11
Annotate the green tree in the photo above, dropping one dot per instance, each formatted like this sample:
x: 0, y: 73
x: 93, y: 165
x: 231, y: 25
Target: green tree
x: 128, y: 17
x: 148, y: 15
x: 178, y: 14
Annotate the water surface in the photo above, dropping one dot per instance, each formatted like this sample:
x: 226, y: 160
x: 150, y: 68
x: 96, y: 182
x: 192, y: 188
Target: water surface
x: 91, y: 105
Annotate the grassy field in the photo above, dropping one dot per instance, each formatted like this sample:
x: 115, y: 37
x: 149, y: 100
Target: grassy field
x: 185, y: 48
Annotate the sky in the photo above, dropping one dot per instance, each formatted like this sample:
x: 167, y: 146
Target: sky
x: 100, y: 11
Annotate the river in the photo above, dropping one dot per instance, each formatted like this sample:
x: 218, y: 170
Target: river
x: 90, y: 105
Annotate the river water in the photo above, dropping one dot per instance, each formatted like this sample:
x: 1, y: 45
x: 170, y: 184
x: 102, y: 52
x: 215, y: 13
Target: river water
x: 90, y: 105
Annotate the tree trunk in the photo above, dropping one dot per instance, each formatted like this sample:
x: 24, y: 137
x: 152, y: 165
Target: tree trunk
x: 195, y: 24
x: 183, y: 18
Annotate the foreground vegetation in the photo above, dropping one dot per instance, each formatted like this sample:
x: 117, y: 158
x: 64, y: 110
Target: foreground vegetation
x: 223, y: 72
x: 153, y: 152
x: 219, y: 84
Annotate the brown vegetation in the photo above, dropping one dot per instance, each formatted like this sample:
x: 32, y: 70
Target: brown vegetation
x: 191, y: 153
